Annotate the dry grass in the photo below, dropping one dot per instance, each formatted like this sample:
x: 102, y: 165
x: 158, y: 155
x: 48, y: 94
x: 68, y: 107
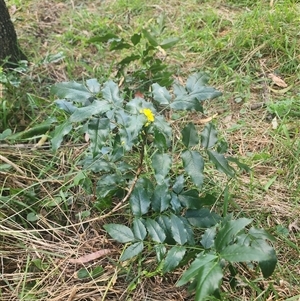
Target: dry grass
x: 35, y: 258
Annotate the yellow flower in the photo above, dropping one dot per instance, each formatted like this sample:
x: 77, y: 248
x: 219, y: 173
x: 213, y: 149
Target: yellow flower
x: 148, y: 113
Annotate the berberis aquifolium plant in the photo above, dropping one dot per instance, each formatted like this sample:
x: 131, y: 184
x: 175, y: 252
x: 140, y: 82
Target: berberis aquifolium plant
x: 139, y: 160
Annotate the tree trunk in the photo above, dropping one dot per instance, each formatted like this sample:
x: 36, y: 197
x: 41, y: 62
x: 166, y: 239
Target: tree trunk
x: 9, y: 48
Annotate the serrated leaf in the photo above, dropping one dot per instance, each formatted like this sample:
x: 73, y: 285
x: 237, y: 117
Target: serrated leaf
x: 93, y: 85
x: 202, y: 218
x: 139, y: 229
x: 71, y: 90
x: 175, y: 203
x: 228, y: 231
x: 173, y: 258
x: 119, y: 233
x: 189, y: 135
x: 110, y: 93
x: 165, y: 223
x: 132, y: 251
x: 209, y: 136
x: 221, y: 163
x: 168, y: 43
x: 155, y: 230
x: 161, y: 94
x: 59, y: 133
x: 189, y: 231
x: 161, y: 198
x: 160, y: 251
x: 161, y: 164
x: 139, y: 201
x: 97, y: 107
x: 135, y: 39
x: 65, y: 105
x: 159, y: 141
x: 179, y: 184
x: 98, y: 131
x: 261, y: 234
x: 196, y: 81
x: 209, y: 280
x: 208, y: 238
x: 178, y: 230
x: 241, y: 253
x: 190, y: 199
x: 162, y: 126
x: 150, y: 38
x: 186, y: 102
x: 193, y: 270
x: 193, y: 164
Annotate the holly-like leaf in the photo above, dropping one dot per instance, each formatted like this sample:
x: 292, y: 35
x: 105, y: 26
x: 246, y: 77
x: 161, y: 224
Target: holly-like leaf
x: 168, y: 43
x: 160, y: 250
x: 209, y: 280
x: 189, y: 135
x: 208, y: 238
x: 221, y: 163
x: 59, y: 133
x: 173, y: 258
x: 162, y: 126
x: 190, y: 199
x: 242, y: 253
x: 97, y: 107
x: 179, y: 184
x: 161, y: 198
x: 192, y: 272
x: 178, y: 230
x: 161, y: 164
x: 139, y: 229
x: 159, y: 141
x: 93, y: 85
x: 110, y: 93
x: 98, y: 131
x: 161, y: 94
x: 193, y: 164
x: 132, y: 251
x: 150, y: 37
x: 209, y: 136
x: 139, y: 201
x: 202, y: 218
x: 155, y: 230
x: 119, y: 233
x: 65, y: 105
x: 135, y: 39
x: 72, y: 91
x: 228, y: 232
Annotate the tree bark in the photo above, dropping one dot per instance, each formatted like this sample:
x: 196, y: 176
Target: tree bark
x: 10, y: 52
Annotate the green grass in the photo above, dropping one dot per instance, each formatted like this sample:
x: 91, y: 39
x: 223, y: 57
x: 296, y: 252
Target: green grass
x: 238, y: 43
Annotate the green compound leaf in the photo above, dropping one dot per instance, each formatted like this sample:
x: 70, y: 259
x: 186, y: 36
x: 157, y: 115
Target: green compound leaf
x: 161, y: 164
x: 209, y: 136
x: 135, y: 39
x: 160, y: 251
x: 208, y: 238
x: 139, y: 229
x: 93, y: 85
x: 192, y: 272
x: 119, y: 233
x: 179, y: 184
x: 190, y: 199
x: 162, y: 126
x: 59, y: 133
x: 72, y: 91
x: 209, y: 280
x: 178, y: 230
x: 161, y: 94
x: 193, y: 164
x: 65, y: 105
x: 190, y: 136
x: 221, y: 163
x: 139, y: 201
x: 155, y: 230
x: 161, y: 198
x: 97, y: 107
x: 202, y: 218
x: 110, y: 93
x: 150, y: 38
x: 242, y: 253
x: 169, y: 43
x: 173, y: 258
x: 98, y: 131
x: 228, y: 232
x: 132, y: 251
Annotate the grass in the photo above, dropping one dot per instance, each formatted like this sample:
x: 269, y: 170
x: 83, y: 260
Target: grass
x: 238, y: 43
